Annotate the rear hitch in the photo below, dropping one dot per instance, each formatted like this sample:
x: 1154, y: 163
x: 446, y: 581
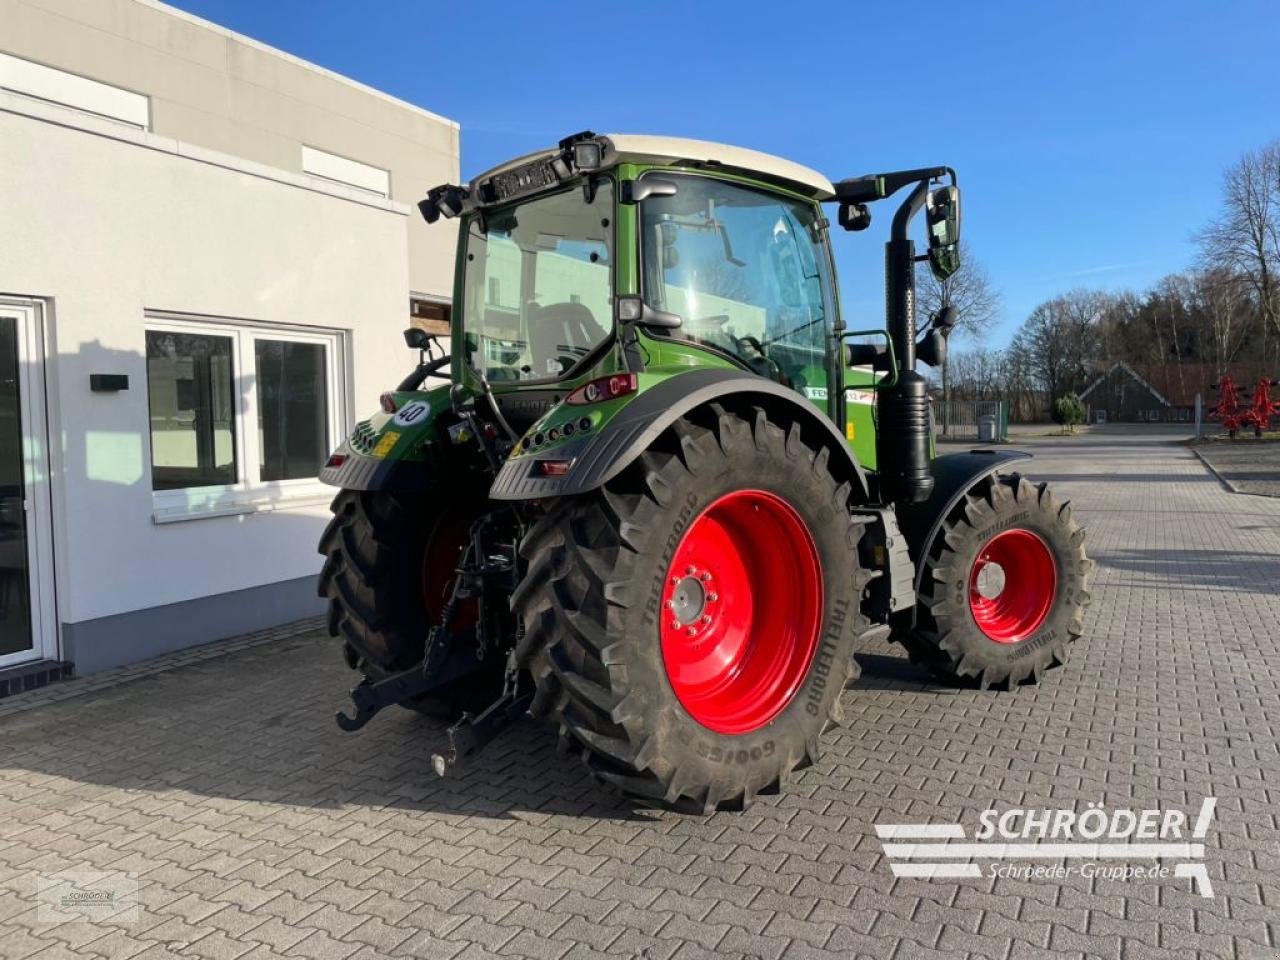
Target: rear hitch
x: 370, y: 698
x: 471, y: 734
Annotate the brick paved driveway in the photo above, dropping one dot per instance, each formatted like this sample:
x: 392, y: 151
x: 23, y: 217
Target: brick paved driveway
x: 254, y: 828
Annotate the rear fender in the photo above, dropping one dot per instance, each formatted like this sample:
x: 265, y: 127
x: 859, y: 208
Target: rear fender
x: 953, y: 475
x: 390, y: 451
x: 620, y: 430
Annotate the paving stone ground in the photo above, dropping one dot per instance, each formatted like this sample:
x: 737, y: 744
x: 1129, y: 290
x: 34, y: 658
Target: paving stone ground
x: 1247, y: 466
x: 254, y: 829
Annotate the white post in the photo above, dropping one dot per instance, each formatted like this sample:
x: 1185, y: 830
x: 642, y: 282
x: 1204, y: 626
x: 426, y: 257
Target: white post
x: 1198, y: 412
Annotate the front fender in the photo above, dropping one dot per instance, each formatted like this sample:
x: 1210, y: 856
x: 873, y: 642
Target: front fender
x: 953, y: 475
x: 607, y: 450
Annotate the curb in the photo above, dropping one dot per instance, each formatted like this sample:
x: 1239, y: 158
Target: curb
x: 1227, y: 481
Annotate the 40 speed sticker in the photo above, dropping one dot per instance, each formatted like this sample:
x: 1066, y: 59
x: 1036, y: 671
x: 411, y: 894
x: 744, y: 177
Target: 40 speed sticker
x: 415, y: 411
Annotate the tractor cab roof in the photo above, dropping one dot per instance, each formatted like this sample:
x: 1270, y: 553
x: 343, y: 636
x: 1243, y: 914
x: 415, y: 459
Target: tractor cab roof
x: 642, y: 148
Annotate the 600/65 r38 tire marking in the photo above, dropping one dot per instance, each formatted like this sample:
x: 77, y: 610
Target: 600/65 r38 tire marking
x: 697, y: 727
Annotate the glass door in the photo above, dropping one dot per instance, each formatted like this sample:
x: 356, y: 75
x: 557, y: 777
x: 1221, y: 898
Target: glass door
x: 26, y: 621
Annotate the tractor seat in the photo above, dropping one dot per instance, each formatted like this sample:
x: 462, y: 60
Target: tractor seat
x: 562, y: 331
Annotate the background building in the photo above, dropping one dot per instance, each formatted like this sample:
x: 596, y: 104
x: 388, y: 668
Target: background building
x: 209, y: 258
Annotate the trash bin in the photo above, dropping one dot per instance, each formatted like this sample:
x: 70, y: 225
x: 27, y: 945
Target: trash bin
x: 987, y: 428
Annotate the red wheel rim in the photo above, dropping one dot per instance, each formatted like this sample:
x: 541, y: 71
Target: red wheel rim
x: 742, y: 607
x: 440, y: 559
x: 1012, y: 585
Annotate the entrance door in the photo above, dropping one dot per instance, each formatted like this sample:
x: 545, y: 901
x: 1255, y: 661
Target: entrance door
x: 27, y: 628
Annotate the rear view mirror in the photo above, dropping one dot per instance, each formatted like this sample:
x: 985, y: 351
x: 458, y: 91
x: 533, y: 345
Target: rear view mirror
x: 942, y: 212
x: 416, y: 339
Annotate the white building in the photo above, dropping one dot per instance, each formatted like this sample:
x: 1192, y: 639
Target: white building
x: 210, y: 253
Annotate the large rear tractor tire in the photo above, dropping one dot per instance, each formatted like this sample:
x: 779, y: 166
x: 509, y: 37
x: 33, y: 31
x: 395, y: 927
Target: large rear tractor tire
x: 389, y: 564
x: 1005, y: 586
x: 690, y: 627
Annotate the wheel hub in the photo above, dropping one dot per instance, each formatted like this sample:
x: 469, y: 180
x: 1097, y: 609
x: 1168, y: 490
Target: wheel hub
x: 990, y: 579
x: 742, y: 607
x: 689, y: 599
x: 1012, y: 585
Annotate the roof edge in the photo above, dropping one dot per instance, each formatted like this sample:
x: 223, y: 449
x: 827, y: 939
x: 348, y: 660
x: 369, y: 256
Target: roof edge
x: 296, y: 60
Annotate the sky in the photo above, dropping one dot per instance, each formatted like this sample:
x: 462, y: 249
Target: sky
x: 1089, y: 138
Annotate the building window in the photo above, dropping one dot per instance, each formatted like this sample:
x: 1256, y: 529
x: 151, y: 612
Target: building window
x: 191, y: 392
x: 78, y: 93
x: 242, y: 415
x: 495, y: 291
x: 293, y: 424
x: 353, y: 173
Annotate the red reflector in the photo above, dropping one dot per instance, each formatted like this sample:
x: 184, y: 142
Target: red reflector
x: 337, y: 460
x: 552, y: 468
x: 388, y: 403
x: 606, y: 388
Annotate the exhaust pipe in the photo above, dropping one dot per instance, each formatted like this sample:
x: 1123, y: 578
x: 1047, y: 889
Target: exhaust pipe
x: 902, y: 437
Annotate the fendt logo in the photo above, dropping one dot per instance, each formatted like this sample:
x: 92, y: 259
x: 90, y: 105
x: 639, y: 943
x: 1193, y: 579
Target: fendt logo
x: 1115, y: 844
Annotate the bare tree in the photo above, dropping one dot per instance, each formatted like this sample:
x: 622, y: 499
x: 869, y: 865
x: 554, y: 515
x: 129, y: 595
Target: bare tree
x: 969, y: 292
x: 1060, y: 340
x: 1245, y: 238
x: 1222, y: 297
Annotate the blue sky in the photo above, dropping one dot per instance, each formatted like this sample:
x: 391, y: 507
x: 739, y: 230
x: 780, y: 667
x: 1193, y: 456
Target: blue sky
x: 1089, y: 137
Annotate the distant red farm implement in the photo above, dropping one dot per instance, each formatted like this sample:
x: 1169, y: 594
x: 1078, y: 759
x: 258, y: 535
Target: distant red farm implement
x: 1233, y: 416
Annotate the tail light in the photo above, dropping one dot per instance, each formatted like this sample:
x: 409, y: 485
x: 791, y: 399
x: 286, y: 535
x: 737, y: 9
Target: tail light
x: 605, y: 388
x: 388, y: 402
x: 552, y: 468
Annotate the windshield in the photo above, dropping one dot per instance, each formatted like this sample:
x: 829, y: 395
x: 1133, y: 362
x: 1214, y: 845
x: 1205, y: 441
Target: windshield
x: 538, y: 287
x: 744, y: 272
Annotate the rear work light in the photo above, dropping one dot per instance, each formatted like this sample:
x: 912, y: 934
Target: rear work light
x: 606, y: 388
x: 388, y: 403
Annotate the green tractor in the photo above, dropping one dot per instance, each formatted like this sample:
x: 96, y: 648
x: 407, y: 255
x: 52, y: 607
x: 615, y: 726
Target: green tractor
x: 666, y: 494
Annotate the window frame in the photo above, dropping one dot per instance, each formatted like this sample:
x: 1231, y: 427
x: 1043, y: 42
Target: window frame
x: 249, y: 494
x: 825, y: 258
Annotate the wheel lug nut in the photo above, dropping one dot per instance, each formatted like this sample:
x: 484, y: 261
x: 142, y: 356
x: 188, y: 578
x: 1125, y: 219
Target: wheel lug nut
x: 712, y: 597
x: 675, y: 624
x: 691, y: 570
x: 706, y: 575
x: 670, y: 604
x: 693, y: 632
x: 706, y: 618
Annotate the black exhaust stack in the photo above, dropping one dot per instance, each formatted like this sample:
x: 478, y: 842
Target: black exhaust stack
x: 902, y: 435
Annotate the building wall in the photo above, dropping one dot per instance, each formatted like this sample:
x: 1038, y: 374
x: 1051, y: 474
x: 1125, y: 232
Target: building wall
x: 214, y: 88
x: 106, y: 223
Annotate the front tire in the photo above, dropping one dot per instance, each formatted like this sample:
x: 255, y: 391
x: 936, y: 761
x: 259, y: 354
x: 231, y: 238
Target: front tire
x: 697, y: 689
x: 1005, y: 586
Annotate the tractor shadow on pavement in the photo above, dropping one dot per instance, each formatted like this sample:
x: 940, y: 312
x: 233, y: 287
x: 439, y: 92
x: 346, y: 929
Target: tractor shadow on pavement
x: 226, y: 729
x: 1197, y: 570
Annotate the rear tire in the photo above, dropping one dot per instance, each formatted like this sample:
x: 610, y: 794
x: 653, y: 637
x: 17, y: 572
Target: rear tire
x: 995, y: 623
x: 601, y: 640
x: 378, y: 551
